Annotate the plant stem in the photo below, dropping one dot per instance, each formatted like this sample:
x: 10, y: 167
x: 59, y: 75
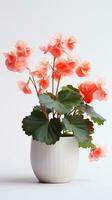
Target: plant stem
x: 33, y: 81
x: 51, y: 66
x: 52, y: 76
x: 29, y: 80
x: 67, y: 53
x: 35, y: 85
x: 53, y: 83
x: 58, y: 86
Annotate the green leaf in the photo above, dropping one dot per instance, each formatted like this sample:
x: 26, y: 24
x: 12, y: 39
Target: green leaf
x: 41, y: 128
x: 38, y: 107
x: 67, y: 99
x: 78, y: 126
x: 70, y: 88
x: 94, y: 116
x: 87, y: 144
x: 71, y: 98
x: 50, y: 103
x: 82, y: 107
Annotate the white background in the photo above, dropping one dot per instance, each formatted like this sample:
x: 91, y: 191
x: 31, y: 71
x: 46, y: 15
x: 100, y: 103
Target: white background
x: 34, y: 21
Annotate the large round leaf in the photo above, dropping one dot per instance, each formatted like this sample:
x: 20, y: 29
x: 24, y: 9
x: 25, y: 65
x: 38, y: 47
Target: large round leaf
x: 41, y: 128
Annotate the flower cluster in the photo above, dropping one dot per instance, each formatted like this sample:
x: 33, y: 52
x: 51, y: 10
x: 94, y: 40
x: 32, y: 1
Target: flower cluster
x: 91, y: 91
x: 50, y: 74
x: 16, y: 61
x: 58, y: 45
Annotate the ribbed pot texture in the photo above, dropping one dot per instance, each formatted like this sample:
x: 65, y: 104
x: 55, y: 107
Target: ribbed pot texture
x: 55, y: 163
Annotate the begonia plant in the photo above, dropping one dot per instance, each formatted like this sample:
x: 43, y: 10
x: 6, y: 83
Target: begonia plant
x: 62, y: 111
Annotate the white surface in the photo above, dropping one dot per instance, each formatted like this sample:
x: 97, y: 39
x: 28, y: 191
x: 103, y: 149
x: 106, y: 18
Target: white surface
x: 34, y: 21
x: 91, y: 183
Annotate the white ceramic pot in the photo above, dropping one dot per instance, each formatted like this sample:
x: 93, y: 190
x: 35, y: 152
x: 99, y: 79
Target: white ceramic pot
x: 55, y: 163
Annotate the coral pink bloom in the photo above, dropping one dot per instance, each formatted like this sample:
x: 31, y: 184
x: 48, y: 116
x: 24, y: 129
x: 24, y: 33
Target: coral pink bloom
x: 72, y: 63
x: 56, y: 75
x: 54, y: 47
x: 24, y: 87
x: 87, y: 90
x: 56, y: 51
x: 65, y: 67
x: 62, y: 67
x: 100, y: 94
x: 45, y: 49
x: 83, y: 70
x: 41, y: 72
x: 15, y: 63
x: 22, y: 49
x: 97, y: 153
x: 57, y: 39
x: 44, y: 83
x: 70, y: 42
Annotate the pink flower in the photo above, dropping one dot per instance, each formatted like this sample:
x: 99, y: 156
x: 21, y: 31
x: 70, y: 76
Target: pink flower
x: 22, y: 49
x: 44, y: 83
x: 87, y: 90
x: 56, y: 51
x: 65, y: 67
x: 57, y: 40
x: 72, y: 63
x: 24, y: 87
x: 15, y: 63
x: 100, y: 94
x: 83, y: 70
x: 54, y: 47
x: 70, y: 42
x: 97, y: 153
x: 56, y: 75
x: 41, y: 72
x: 45, y: 49
x: 92, y: 91
x: 57, y: 46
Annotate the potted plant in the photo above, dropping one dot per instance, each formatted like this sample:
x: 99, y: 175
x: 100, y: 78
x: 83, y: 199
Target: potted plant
x: 63, y: 120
